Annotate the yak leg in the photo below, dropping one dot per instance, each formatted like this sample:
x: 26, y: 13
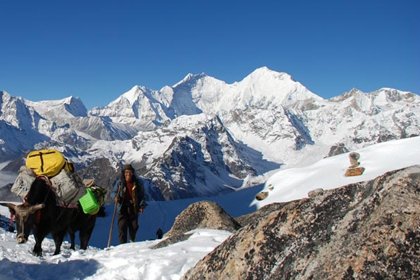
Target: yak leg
x: 85, y: 233
x: 72, y: 239
x: 84, y: 240
x: 39, y: 237
x: 84, y: 236
x: 58, y: 240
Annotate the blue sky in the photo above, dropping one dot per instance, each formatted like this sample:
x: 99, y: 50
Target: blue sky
x: 97, y: 50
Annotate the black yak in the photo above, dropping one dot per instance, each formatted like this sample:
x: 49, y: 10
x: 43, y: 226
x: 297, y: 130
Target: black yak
x: 41, y: 214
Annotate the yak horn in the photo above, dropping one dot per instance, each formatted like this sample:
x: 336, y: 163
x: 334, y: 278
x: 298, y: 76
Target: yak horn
x: 35, y: 208
x: 10, y: 205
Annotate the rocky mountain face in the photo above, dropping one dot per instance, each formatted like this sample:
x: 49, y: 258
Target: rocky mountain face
x: 201, y: 162
x: 103, y: 173
x: 368, y: 230
x: 203, y: 136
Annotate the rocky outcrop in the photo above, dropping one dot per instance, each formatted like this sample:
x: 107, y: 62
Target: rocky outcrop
x: 368, y: 230
x: 203, y: 214
x: 103, y: 173
x: 337, y: 149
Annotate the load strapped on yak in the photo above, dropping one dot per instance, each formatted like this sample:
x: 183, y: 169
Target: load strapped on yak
x: 94, y: 198
x: 53, y: 166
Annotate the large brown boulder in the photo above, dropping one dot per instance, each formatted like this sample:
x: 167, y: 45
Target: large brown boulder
x: 368, y: 230
x: 203, y: 214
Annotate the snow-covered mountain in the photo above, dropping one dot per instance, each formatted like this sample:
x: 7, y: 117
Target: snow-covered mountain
x: 139, y: 107
x: 203, y: 159
x: 19, y: 126
x: 66, y: 108
x: 204, y: 136
x: 359, y: 118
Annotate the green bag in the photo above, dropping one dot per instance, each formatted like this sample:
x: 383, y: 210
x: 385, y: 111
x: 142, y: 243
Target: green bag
x: 89, y: 202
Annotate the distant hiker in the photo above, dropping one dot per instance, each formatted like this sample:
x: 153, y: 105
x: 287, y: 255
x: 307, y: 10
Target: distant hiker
x: 131, y: 200
x: 159, y: 233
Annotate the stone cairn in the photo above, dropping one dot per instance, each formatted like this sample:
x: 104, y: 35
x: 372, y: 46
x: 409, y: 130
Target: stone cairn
x: 263, y: 195
x: 354, y: 169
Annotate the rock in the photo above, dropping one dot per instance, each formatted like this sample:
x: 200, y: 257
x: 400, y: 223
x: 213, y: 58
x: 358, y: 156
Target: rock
x: 7, y: 195
x: 315, y: 192
x: 261, y: 195
x: 14, y: 166
x: 203, y: 214
x: 359, y: 231
x: 258, y: 215
x: 356, y: 171
x: 103, y: 173
x: 354, y: 159
x: 337, y: 149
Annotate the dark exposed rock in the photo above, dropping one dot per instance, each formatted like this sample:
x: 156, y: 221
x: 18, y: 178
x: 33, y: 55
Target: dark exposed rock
x: 12, y: 169
x: 103, y: 172
x: 315, y: 192
x: 337, y: 149
x: 261, y: 195
x: 208, y: 153
x: 368, y: 230
x: 7, y: 195
x: 14, y: 165
x: 203, y: 214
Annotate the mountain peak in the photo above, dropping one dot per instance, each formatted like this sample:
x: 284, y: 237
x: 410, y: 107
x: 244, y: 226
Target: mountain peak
x: 133, y: 94
x: 63, y: 108
x: 5, y: 95
x: 264, y: 72
x: 268, y: 84
x: 70, y: 99
x: 75, y: 106
x: 4, y: 92
x: 190, y: 78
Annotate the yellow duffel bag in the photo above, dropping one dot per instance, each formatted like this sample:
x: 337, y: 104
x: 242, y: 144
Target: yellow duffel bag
x: 45, y: 162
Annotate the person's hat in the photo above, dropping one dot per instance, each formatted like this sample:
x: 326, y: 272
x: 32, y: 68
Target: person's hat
x: 128, y: 167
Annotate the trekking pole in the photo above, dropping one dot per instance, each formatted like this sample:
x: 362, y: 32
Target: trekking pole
x: 113, y: 217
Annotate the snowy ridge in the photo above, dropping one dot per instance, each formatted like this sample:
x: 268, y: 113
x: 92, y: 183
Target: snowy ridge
x: 200, y: 93
x: 139, y: 107
x: 328, y: 173
x: 69, y: 107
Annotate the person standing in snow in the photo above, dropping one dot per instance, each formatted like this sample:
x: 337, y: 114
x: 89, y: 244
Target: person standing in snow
x: 131, y: 200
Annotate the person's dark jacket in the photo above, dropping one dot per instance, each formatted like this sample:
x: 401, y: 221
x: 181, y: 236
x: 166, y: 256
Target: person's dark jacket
x: 138, y: 199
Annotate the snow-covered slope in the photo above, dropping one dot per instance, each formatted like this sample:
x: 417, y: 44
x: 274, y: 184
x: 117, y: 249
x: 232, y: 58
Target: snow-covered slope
x: 328, y: 173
